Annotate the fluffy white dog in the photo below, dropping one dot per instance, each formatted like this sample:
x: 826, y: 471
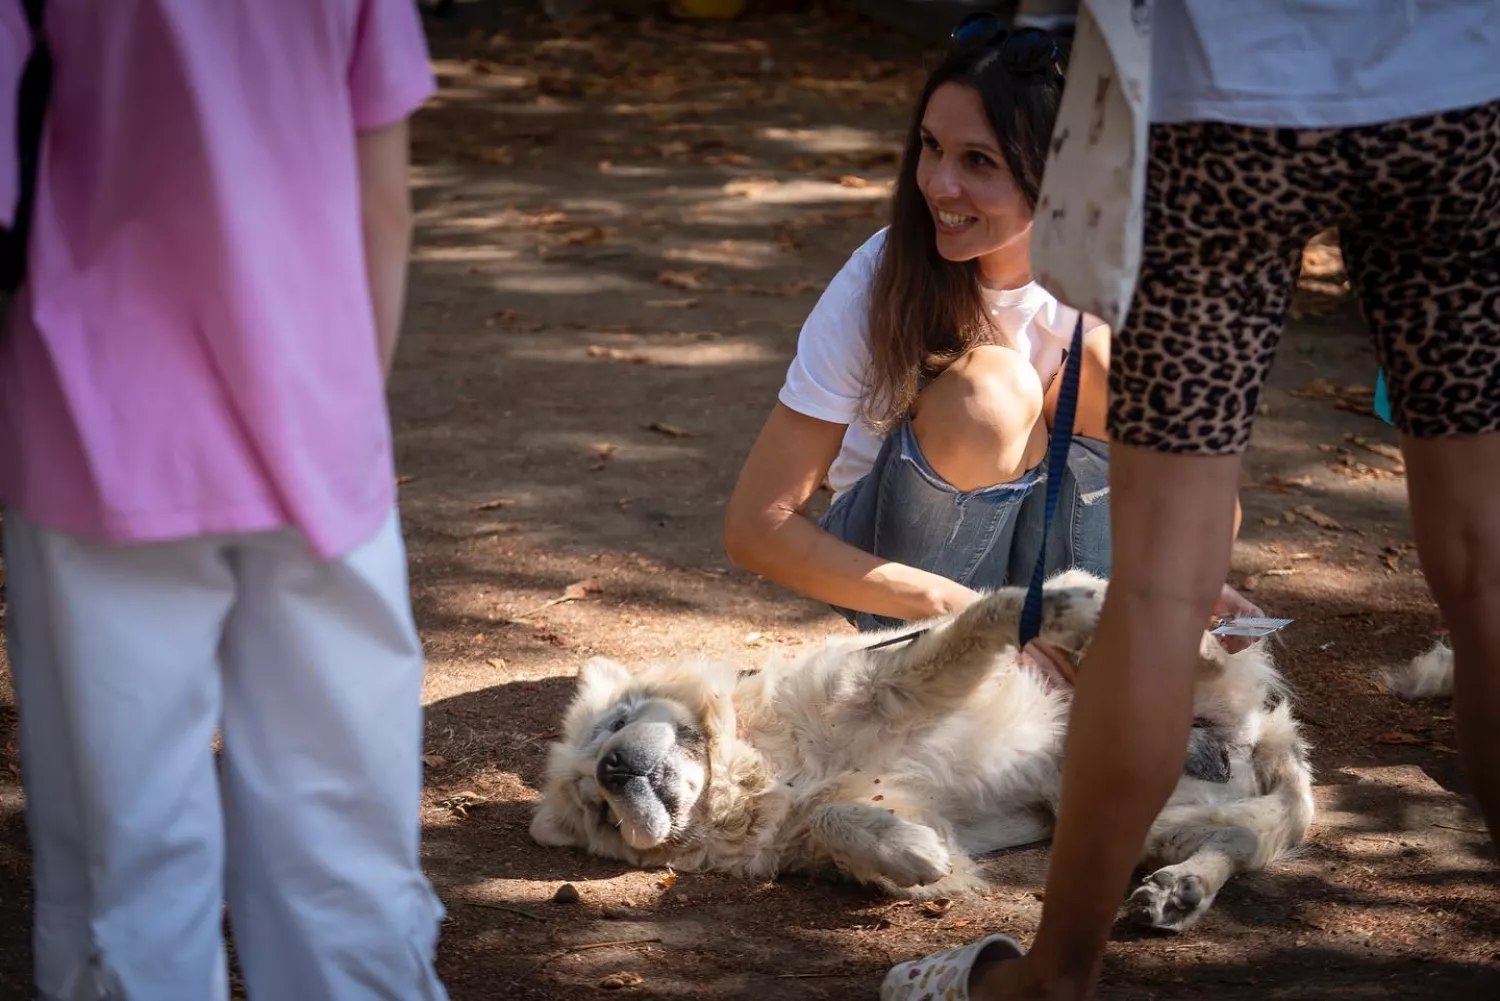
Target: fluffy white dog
x: 896, y: 765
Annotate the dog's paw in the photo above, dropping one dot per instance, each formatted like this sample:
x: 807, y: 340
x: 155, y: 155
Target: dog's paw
x: 912, y: 855
x: 1170, y: 899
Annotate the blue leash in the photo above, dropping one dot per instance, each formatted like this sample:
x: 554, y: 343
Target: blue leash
x: 1057, y: 467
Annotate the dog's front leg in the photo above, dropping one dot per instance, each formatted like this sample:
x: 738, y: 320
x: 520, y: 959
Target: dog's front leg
x: 938, y: 670
x: 873, y: 844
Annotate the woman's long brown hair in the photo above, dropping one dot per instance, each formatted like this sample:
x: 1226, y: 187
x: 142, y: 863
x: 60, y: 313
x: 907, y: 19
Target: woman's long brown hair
x: 925, y: 311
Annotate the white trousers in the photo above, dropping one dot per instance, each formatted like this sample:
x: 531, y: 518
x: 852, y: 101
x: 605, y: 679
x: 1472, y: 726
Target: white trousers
x: 126, y: 659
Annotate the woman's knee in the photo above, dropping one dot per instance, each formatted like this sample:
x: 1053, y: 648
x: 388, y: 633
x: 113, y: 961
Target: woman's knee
x: 991, y: 391
x: 979, y: 423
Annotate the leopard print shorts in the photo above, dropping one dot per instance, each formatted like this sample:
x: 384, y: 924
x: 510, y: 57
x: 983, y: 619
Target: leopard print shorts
x: 1228, y: 211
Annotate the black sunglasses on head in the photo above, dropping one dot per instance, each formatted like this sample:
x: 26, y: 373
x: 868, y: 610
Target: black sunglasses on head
x: 1030, y: 50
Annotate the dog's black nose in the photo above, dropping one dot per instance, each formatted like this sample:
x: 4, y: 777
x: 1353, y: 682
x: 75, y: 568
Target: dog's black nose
x: 613, y: 771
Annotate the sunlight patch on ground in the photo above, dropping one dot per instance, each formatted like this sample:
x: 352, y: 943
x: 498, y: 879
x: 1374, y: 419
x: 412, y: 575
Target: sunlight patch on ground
x: 581, y: 282
x: 700, y: 355
x: 729, y: 253
x: 827, y: 138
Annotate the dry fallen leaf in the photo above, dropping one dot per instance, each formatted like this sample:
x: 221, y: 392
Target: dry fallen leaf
x: 494, y: 505
x: 460, y: 802
x: 667, y: 881
x: 498, y: 663
x: 509, y: 319
x: 1379, y: 448
x: 670, y: 430
x: 1288, y: 484
x: 434, y: 760
x: 1318, y: 518
x: 691, y: 280
x: 1399, y: 737
x: 578, y: 590
x: 937, y: 908
x: 586, y: 235
x: 616, y: 981
x: 1271, y: 522
x: 853, y: 181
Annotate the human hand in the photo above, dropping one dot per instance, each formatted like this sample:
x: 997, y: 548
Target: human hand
x: 946, y: 597
x: 1231, y: 602
x: 1053, y: 660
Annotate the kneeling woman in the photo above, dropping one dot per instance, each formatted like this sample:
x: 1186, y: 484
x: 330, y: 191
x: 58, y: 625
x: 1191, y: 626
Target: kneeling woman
x: 926, y: 378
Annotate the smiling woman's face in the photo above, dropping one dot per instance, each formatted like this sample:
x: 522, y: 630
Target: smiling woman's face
x: 977, y: 208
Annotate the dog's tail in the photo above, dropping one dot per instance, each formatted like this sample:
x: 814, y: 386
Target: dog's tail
x: 1428, y: 676
x: 1284, y: 773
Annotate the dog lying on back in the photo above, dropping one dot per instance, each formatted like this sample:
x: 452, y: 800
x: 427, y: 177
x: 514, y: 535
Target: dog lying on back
x: 897, y: 765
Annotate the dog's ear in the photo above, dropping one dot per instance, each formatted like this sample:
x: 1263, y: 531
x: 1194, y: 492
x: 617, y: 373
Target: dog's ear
x: 600, y: 675
x: 552, y: 826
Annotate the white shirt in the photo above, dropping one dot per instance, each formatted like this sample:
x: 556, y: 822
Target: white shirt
x: 1321, y: 63
x: 829, y: 376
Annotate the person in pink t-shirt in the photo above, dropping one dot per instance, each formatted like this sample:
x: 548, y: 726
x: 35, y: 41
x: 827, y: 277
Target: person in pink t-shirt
x: 200, y: 526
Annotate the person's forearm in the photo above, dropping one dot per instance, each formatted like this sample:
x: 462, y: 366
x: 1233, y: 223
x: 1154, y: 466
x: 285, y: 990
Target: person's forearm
x: 795, y: 553
x: 387, y: 244
x: 386, y: 218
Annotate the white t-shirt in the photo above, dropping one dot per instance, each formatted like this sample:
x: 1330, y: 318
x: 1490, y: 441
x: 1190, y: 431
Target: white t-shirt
x: 830, y: 374
x: 1321, y: 63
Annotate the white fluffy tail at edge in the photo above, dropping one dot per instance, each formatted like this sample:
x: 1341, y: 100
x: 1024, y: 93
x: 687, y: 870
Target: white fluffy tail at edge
x: 1429, y: 675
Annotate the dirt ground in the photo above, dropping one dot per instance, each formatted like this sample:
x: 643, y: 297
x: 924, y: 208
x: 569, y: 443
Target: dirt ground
x: 622, y: 226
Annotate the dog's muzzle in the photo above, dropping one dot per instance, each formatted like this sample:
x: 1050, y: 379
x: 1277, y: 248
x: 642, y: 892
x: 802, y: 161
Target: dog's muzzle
x: 631, y: 773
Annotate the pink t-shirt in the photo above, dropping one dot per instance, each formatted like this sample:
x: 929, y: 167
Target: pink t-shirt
x: 195, y: 352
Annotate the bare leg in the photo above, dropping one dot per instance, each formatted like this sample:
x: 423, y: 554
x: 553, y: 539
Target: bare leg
x: 979, y: 423
x: 1454, y: 485
x: 1173, y: 519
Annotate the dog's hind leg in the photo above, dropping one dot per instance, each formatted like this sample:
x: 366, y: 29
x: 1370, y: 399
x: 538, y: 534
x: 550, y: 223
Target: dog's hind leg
x: 1205, y: 847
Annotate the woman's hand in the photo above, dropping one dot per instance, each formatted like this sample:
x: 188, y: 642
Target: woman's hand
x: 1051, y: 659
x: 1231, y: 602
x: 948, y: 597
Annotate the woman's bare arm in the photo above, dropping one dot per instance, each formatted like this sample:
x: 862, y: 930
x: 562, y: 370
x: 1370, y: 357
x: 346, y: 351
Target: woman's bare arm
x: 767, y: 532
